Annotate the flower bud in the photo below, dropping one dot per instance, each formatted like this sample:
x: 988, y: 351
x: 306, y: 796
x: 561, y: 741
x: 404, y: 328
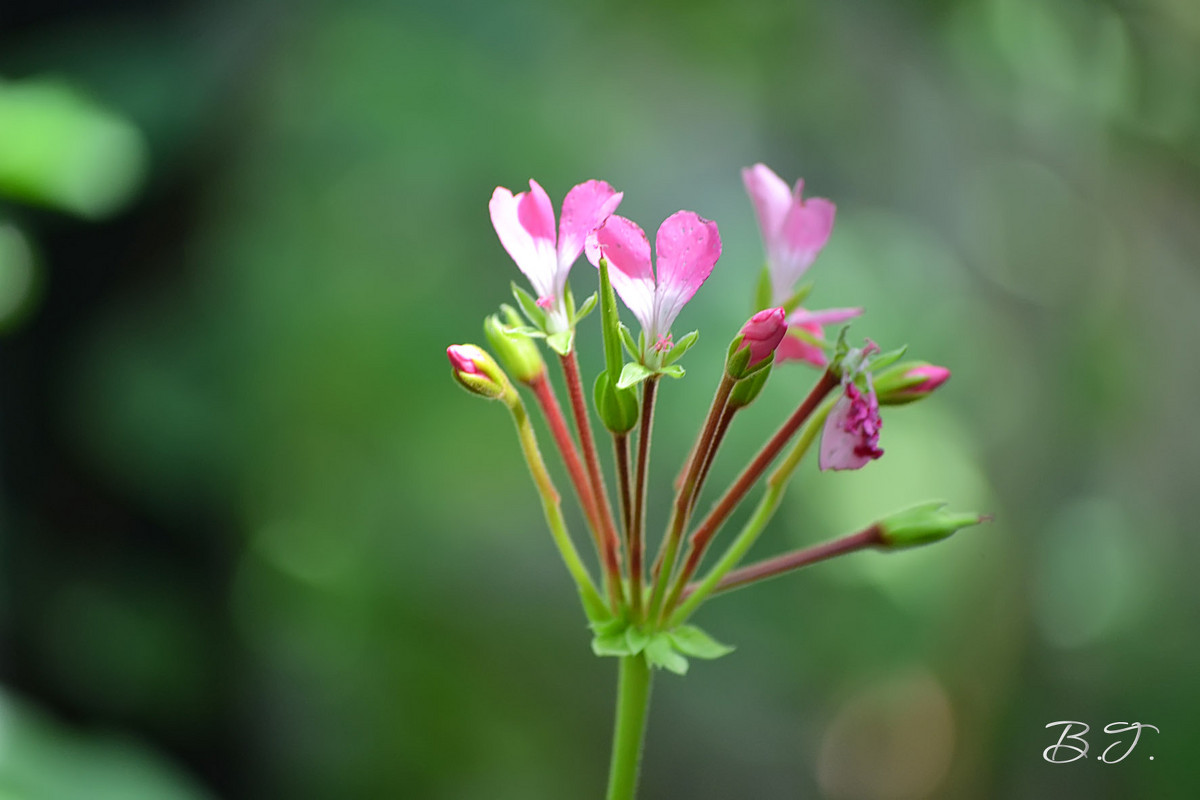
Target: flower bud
x: 756, y: 342
x: 912, y: 380
x: 516, y: 351
x: 475, y: 370
x: 924, y: 523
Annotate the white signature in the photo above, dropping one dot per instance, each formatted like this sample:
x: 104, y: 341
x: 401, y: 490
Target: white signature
x: 1080, y: 750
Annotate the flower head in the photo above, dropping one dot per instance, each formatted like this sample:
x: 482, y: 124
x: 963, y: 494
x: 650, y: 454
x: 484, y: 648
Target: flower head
x: 525, y: 224
x: 850, y: 438
x: 795, y: 348
x: 793, y: 231
x: 687, y: 246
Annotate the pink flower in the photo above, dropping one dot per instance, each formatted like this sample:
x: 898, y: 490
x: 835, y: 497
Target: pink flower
x: 794, y: 348
x: 525, y: 225
x: 850, y: 438
x: 762, y: 333
x: 793, y: 231
x: 687, y: 247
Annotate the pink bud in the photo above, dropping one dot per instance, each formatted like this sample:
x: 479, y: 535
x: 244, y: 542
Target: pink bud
x: 463, y: 358
x: 763, y: 332
x: 934, y: 377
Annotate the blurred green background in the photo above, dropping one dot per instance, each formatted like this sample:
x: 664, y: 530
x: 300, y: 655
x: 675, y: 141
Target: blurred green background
x: 255, y: 543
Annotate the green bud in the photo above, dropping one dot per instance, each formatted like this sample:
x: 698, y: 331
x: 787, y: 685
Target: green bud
x: 617, y: 408
x: 516, y: 351
x: 924, y: 523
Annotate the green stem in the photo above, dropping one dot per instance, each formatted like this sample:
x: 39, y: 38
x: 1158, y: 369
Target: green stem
x: 776, y: 486
x: 633, y: 698
x: 593, y: 603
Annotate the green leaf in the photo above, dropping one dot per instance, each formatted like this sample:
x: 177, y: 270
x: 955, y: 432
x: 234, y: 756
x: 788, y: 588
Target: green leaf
x: 588, y: 307
x: 561, y: 342
x: 636, y: 639
x: 631, y: 346
x: 793, y: 302
x: 674, y: 370
x: 632, y: 374
x: 608, y: 625
x: 692, y: 641
x: 611, y: 646
x: 681, y: 347
x: 887, y: 359
x: 762, y: 292
x: 525, y: 300
x: 660, y: 652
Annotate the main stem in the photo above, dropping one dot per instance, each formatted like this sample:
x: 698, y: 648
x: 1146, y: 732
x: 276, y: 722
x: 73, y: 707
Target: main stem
x: 612, y: 544
x: 633, y: 698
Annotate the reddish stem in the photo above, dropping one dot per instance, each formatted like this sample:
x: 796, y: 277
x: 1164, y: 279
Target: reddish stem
x: 543, y: 391
x: 611, y: 544
x: 737, y: 492
x: 637, y: 540
x: 869, y: 537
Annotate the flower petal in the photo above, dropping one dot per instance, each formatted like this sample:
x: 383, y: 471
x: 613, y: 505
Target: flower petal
x: 793, y: 348
x: 771, y: 198
x: 585, y: 207
x: 805, y: 231
x: 627, y: 250
x: 838, y: 443
x: 686, y: 249
x: 826, y: 316
x: 519, y: 222
x: 850, y: 438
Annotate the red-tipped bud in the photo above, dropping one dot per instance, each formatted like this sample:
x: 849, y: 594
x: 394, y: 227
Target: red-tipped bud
x: 475, y: 370
x: 756, y: 342
x: 909, y: 381
x: 763, y: 332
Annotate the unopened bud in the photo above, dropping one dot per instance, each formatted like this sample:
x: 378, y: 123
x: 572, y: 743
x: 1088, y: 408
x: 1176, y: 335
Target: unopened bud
x: 924, y: 523
x: 755, y: 343
x: 909, y: 381
x: 475, y: 370
x: 516, y: 351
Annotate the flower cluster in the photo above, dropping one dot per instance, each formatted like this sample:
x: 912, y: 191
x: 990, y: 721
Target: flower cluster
x: 640, y: 610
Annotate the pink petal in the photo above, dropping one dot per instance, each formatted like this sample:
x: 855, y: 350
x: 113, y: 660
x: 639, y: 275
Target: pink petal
x: 585, y: 207
x: 934, y: 377
x: 850, y: 437
x: 687, y: 247
x: 828, y: 316
x: 627, y: 250
x: 793, y: 348
x: 517, y: 219
x: 805, y: 231
x: 771, y: 198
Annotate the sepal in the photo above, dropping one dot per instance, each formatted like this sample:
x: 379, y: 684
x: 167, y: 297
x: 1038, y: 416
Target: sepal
x: 529, y: 306
x: 514, y: 348
x: 747, y: 390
